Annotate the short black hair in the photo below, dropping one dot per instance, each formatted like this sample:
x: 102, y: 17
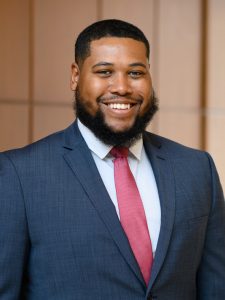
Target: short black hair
x: 106, y: 28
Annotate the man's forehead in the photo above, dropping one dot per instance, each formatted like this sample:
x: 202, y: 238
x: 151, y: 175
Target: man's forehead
x: 116, y: 41
x: 111, y: 46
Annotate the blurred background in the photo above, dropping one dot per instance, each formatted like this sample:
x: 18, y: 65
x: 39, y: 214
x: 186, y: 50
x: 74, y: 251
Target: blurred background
x: 187, y: 64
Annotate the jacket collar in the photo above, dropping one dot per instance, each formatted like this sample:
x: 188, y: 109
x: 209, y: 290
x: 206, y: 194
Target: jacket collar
x: 79, y: 159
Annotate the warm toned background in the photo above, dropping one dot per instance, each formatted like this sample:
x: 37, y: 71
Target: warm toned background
x: 187, y: 63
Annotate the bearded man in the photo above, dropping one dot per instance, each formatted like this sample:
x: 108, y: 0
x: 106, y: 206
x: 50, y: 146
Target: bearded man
x: 104, y: 209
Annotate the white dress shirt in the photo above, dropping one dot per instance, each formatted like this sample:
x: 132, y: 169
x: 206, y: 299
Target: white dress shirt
x: 142, y: 171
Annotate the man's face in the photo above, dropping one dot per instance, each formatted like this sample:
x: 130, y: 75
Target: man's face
x: 114, y: 81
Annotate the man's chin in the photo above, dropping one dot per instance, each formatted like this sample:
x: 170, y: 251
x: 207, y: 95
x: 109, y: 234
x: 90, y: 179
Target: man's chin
x: 115, y: 131
x: 118, y: 128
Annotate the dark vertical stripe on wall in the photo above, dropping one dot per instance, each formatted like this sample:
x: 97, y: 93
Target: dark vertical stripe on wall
x: 155, y: 39
x: 31, y: 73
x: 99, y: 4
x: 204, y: 70
x: 154, y: 43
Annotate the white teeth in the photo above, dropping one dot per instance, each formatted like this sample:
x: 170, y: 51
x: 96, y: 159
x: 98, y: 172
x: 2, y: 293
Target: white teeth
x: 119, y: 106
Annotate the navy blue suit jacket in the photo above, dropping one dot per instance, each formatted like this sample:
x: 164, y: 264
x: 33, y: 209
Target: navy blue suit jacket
x: 61, y: 239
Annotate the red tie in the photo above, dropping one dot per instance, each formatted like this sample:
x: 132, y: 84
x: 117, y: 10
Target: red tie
x: 132, y: 215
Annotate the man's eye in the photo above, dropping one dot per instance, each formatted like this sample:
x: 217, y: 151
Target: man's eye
x: 135, y: 74
x: 104, y: 72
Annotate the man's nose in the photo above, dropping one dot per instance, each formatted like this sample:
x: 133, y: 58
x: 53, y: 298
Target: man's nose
x: 120, y: 85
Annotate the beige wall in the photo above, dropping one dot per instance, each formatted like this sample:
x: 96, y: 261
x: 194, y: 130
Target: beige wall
x: 187, y: 65
x: 216, y: 85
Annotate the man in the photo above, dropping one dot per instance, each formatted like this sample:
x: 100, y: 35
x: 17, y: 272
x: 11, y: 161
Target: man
x: 78, y: 222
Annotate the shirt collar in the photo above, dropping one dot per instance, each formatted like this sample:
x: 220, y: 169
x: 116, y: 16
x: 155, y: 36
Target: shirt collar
x: 101, y: 149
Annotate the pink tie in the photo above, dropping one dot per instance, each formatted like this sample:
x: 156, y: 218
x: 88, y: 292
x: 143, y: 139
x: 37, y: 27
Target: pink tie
x: 132, y: 215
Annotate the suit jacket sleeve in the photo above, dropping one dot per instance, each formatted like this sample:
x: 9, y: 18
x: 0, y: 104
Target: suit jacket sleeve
x: 211, y: 275
x: 14, y: 241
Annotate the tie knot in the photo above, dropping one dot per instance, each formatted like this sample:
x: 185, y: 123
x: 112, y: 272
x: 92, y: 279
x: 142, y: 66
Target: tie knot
x: 119, y: 152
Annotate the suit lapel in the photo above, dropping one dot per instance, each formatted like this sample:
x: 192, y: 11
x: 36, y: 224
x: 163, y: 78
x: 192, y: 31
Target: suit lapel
x: 165, y: 182
x: 80, y: 160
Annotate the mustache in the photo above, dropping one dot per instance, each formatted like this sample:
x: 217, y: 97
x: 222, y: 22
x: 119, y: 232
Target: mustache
x: 114, y: 97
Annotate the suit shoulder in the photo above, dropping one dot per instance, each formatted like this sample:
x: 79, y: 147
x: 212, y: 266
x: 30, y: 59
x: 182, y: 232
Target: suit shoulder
x: 174, y: 148
x: 41, y: 147
x: 196, y: 163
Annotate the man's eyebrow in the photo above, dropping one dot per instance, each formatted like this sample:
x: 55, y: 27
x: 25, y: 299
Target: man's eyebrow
x: 138, y: 64
x: 105, y: 63
x: 102, y: 63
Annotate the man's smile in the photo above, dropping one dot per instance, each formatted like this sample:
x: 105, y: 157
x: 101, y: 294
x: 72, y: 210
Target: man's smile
x: 119, y: 106
x: 122, y: 108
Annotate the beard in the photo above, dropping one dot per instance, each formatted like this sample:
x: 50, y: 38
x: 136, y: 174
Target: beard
x: 105, y: 133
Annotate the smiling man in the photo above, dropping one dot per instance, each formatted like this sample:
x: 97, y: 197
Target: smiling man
x: 114, y: 95
x: 104, y: 209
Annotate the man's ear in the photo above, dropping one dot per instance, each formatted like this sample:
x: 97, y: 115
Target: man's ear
x: 75, y: 72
